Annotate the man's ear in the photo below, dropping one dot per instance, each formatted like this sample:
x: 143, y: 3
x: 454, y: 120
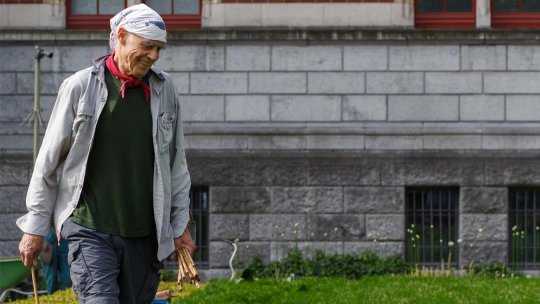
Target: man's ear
x: 122, y: 35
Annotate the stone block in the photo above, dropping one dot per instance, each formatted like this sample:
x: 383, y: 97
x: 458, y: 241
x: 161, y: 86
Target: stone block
x: 374, y: 199
x: 304, y: 14
x: 247, y: 108
x: 277, y: 83
x: 512, y: 172
x: 274, y: 15
x: 295, y: 142
x: 484, y: 253
x: 12, y: 199
x: 452, y: 82
x: 218, y: 83
x: 511, y: 142
x: 306, y: 58
x: 220, y: 253
x: 483, y: 227
x: 483, y: 57
x: 8, y: 229
x: 184, y: 58
x: 15, y: 107
x: 21, y: 58
x: 522, y: 107
x: 336, y: 14
x: 424, y: 58
x: 211, y: 171
x: 203, y: 108
x: 307, y: 200
x: 214, y: 15
x: 242, y: 14
x: 365, y: 58
x: 305, y: 108
x: 381, y: 248
x: 14, y: 174
x: 394, y: 82
x: 393, y: 142
x: 271, y: 172
x: 481, y: 108
x: 280, y: 250
x: 228, y: 226
x: 16, y: 142
x: 240, y: 200
x: 236, y: 142
x: 336, y: 83
x: 452, y: 142
x: 511, y: 82
x: 343, y: 172
x: 49, y: 83
x: 9, y: 248
x: 363, y: 108
x: 385, y: 227
x: 181, y: 82
x: 429, y: 171
x: 423, y: 108
x: 336, y: 227
x: 342, y: 142
x: 370, y: 14
x: 73, y: 58
x: 248, y: 58
x: 523, y: 58
x: 8, y: 85
x: 283, y: 227
x: 483, y: 200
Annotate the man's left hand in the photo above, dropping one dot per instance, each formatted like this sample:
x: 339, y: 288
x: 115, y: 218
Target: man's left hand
x: 186, y: 241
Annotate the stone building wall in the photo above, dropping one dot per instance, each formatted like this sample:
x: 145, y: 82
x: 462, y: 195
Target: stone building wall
x: 309, y: 138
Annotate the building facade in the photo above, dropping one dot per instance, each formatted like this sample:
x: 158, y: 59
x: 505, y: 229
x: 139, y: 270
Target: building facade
x: 343, y: 127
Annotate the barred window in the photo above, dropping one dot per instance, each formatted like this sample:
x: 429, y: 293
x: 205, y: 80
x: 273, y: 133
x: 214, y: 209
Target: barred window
x: 524, y: 226
x: 432, y: 225
x: 445, y: 14
x: 515, y: 13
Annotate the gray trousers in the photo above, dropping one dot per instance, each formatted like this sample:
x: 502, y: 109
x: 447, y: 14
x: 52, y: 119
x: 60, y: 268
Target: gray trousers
x: 107, y: 269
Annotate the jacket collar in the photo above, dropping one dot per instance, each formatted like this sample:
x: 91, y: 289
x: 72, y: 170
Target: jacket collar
x: 99, y: 63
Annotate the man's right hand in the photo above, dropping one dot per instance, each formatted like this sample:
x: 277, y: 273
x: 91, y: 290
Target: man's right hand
x: 30, y: 247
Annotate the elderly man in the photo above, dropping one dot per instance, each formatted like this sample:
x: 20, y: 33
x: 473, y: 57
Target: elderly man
x: 111, y: 173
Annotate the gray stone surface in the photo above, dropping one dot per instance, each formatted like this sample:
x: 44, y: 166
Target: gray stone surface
x: 181, y: 82
x: 522, y: 107
x: 14, y: 174
x: 343, y: 172
x: 307, y: 200
x: 215, y: 172
x: 482, y: 108
x: 274, y: 142
x: 15, y: 108
x: 218, y: 83
x: 374, y: 199
x: 281, y: 227
x: 483, y: 227
x: 342, y: 142
x: 183, y: 58
x: 247, y: 108
x: 248, y: 58
x: 207, y: 142
x: 381, y: 248
x: 428, y: 58
x: 240, y: 200
x: 203, y: 108
x: 391, y: 142
x: 383, y: 227
x: 21, y: 58
x: 228, y: 226
x: 8, y: 229
x: 280, y: 250
x: 452, y: 142
x: 8, y: 85
x: 485, y: 253
x: 365, y: 58
x: 364, y: 108
x: 452, y: 82
x: 394, y: 82
x: 277, y: 83
x: 510, y: 142
x: 512, y: 82
x: 271, y: 172
x: 483, y: 57
x: 433, y: 172
x: 220, y: 253
x: 74, y: 58
x: 9, y: 249
x: 523, y: 57
x: 336, y: 83
x: 306, y: 58
x: 305, y: 108
x: 12, y: 199
x: 423, y: 108
x: 16, y: 142
x: 483, y: 200
x: 336, y: 227
x: 513, y: 172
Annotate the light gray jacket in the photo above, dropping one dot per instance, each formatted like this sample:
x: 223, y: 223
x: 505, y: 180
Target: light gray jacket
x: 60, y: 167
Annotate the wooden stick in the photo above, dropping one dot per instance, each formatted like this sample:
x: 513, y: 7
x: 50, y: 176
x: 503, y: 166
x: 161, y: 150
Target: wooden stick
x: 34, y: 284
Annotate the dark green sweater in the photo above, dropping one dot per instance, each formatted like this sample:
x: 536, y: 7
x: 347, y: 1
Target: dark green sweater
x: 117, y: 194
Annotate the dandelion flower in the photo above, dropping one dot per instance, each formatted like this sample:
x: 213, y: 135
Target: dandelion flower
x: 440, y: 241
x: 336, y: 228
x: 450, y: 244
x: 460, y: 241
x: 236, y: 240
x: 514, y: 228
x: 296, y: 225
x: 412, y: 225
x: 418, y: 236
x: 325, y: 234
x: 480, y: 230
x: 431, y: 226
x: 537, y: 228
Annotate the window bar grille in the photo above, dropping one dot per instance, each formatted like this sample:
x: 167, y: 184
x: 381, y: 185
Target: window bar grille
x: 524, y: 228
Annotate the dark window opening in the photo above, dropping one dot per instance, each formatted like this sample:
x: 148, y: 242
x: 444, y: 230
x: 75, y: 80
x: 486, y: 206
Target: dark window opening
x: 445, y: 13
x: 524, y: 226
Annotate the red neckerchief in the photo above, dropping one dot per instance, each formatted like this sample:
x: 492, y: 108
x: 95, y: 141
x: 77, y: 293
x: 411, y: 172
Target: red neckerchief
x: 128, y: 81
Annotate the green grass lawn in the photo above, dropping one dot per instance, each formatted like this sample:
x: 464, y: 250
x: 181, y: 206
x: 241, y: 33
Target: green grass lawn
x: 380, y: 290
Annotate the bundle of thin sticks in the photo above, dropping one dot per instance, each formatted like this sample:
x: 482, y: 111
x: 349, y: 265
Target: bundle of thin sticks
x: 186, y: 268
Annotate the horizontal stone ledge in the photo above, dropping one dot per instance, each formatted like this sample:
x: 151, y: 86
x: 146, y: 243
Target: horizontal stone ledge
x: 311, y: 34
x: 378, y: 128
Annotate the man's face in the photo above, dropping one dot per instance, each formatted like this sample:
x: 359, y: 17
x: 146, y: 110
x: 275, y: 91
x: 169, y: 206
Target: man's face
x: 136, y: 54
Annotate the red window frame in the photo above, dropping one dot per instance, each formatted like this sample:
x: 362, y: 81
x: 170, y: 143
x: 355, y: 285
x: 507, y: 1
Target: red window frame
x: 517, y: 19
x: 445, y: 19
x: 96, y: 22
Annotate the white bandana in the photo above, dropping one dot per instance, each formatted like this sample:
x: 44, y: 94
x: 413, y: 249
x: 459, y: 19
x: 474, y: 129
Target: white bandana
x: 141, y: 20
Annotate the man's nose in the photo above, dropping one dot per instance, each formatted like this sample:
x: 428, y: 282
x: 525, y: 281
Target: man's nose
x: 154, y: 55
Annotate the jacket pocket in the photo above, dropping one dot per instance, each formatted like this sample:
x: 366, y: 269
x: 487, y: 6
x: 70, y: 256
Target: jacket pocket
x: 166, y: 130
x: 85, y: 112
